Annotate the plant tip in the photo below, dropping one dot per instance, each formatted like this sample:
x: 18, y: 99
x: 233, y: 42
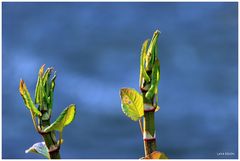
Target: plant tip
x: 157, y: 31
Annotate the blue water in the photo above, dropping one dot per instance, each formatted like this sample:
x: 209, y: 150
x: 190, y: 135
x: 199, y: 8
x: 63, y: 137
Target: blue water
x: 95, y: 48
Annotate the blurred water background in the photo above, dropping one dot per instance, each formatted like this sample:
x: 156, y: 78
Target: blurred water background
x: 95, y: 48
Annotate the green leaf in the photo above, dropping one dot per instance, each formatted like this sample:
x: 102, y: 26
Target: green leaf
x: 143, y: 73
x: 46, y: 85
x: 39, y: 148
x: 27, y: 98
x: 65, y: 118
x: 46, y: 75
x: 150, y: 57
x: 132, y: 103
x: 38, y: 89
x: 156, y: 87
x: 154, y: 82
x: 52, y: 86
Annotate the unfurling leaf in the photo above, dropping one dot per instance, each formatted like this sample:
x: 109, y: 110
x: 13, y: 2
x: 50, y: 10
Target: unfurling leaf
x: 65, y: 118
x: 39, y: 86
x: 52, y: 86
x: 44, y: 90
x: 156, y: 155
x: 151, y: 55
x: 46, y: 85
x: 132, y: 103
x: 39, y: 148
x: 27, y: 98
x: 154, y: 80
x: 143, y: 73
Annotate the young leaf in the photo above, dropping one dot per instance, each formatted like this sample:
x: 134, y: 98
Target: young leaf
x: 39, y: 86
x: 154, y: 82
x: 65, y: 118
x: 143, y: 73
x: 132, y: 103
x: 46, y: 75
x: 158, y: 79
x: 37, y: 91
x: 52, y: 86
x: 27, y: 98
x: 39, y: 148
x: 150, y: 57
x: 45, y: 83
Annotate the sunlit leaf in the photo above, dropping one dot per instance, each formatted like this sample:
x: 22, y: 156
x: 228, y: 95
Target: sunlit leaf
x: 143, y: 73
x: 38, y: 93
x: 65, y: 118
x: 150, y: 57
x: 39, y: 148
x: 132, y: 103
x: 47, y: 75
x: 157, y: 81
x: 41, y: 70
x: 157, y: 108
x: 27, y: 98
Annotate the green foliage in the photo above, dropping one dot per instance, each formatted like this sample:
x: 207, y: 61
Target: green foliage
x: 135, y: 105
x: 44, y: 90
x: 39, y: 148
x: 52, y: 86
x: 132, y: 103
x: 65, y: 118
x: 151, y: 55
x: 27, y: 98
x: 143, y: 73
x: 44, y: 100
x: 154, y: 80
x: 38, y: 90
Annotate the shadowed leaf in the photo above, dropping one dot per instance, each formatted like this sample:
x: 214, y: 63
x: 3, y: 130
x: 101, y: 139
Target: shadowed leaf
x: 154, y: 82
x: 52, y: 86
x: 39, y: 148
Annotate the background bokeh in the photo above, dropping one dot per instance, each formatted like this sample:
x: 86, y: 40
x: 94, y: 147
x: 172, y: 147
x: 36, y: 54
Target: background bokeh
x: 95, y: 48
